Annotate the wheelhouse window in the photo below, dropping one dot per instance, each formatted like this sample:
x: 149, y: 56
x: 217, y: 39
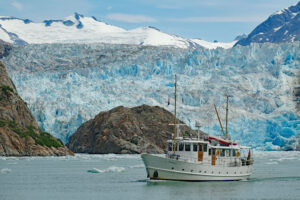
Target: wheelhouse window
x: 209, y: 152
x: 222, y: 152
x: 233, y: 152
x: 170, y: 147
x: 181, y: 145
x: 195, y: 147
x: 227, y: 152
x: 187, y: 147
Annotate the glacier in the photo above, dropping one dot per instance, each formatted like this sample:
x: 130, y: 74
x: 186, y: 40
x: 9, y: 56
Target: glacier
x: 65, y: 85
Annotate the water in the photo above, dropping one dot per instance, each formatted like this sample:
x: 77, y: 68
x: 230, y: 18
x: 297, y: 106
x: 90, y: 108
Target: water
x: 276, y: 176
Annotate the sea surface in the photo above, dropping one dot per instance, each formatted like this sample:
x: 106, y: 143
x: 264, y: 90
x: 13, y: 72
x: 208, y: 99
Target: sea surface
x: 86, y: 177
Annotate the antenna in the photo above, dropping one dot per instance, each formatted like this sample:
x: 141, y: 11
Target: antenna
x: 175, y: 116
x: 226, y: 135
x: 198, y: 125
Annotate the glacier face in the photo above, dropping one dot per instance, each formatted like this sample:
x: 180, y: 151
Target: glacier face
x: 68, y: 84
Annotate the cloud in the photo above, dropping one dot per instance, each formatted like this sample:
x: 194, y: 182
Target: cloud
x: 17, y: 5
x: 218, y: 19
x: 129, y: 18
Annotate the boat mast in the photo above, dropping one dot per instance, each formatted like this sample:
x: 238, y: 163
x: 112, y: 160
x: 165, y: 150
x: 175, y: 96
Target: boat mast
x: 175, y: 117
x: 219, y: 120
x: 226, y: 116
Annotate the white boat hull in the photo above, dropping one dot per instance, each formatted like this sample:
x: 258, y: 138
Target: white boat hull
x: 162, y: 168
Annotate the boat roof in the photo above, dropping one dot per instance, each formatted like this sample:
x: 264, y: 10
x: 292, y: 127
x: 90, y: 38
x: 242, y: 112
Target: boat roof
x: 222, y: 140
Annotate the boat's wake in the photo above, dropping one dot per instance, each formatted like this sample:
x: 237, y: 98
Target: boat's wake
x: 109, y: 169
x: 279, y: 178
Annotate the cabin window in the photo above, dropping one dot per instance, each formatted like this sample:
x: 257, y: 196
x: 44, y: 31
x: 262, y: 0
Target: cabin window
x: 187, y: 147
x: 200, y: 147
x: 205, y: 147
x: 181, y: 146
x: 176, y: 147
x: 222, y: 152
x: 209, y: 152
x: 195, y: 147
x: 227, y: 152
x: 233, y: 152
x: 170, y: 147
x: 214, y: 152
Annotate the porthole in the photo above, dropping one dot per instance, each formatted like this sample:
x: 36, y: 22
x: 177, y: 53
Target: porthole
x: 200, y: 171
x: 212, y: 172
x: 204, y: 171
x: 192, y: 170
x: 219, y: 172
x: 172, y: 167
x: 227, y: 172
x: 182, y: 169
x: 234, y: 172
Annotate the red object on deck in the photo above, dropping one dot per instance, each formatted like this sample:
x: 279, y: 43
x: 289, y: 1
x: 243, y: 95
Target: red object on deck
x: 225, y: 142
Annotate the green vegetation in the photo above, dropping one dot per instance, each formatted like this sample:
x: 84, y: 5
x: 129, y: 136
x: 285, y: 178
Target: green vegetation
x: 41, y: 138
x: 45, y: 139
x: 2, y: 123
x: 133, y: 141
x: 6, y: 89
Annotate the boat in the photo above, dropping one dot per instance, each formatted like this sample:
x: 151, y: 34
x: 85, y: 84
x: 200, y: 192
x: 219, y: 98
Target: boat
x: 205, y: 158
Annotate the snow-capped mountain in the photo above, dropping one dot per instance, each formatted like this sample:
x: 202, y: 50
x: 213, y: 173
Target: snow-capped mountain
x: 282, y: 26
x: 81, y: 29
x: 68, y: 84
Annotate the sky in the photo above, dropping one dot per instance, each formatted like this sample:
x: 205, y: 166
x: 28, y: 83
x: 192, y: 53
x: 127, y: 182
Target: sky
x: 210, y: 20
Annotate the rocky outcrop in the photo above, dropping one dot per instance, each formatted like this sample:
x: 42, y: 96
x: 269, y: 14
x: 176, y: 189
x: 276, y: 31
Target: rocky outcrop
x: 20, y: 134
x: 4, y: 48
x: 142, y: 129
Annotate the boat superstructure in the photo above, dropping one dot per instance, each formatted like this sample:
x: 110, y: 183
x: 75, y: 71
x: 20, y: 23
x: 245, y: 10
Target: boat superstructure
x: 205, y: 158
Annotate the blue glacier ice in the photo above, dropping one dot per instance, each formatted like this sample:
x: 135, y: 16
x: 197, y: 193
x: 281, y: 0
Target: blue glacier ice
x: 65, y: 85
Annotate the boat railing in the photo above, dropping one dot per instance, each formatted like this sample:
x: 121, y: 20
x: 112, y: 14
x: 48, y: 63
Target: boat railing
x: 173, y: 156
x: 234, y: 162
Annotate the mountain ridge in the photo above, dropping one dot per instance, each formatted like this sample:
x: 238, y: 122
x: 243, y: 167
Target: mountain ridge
x: 80, y: 29
x: 281, y: 26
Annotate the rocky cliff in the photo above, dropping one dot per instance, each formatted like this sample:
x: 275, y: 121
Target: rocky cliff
x: 142, y: 129
x: 4, y: 48
x: 20, y: 134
